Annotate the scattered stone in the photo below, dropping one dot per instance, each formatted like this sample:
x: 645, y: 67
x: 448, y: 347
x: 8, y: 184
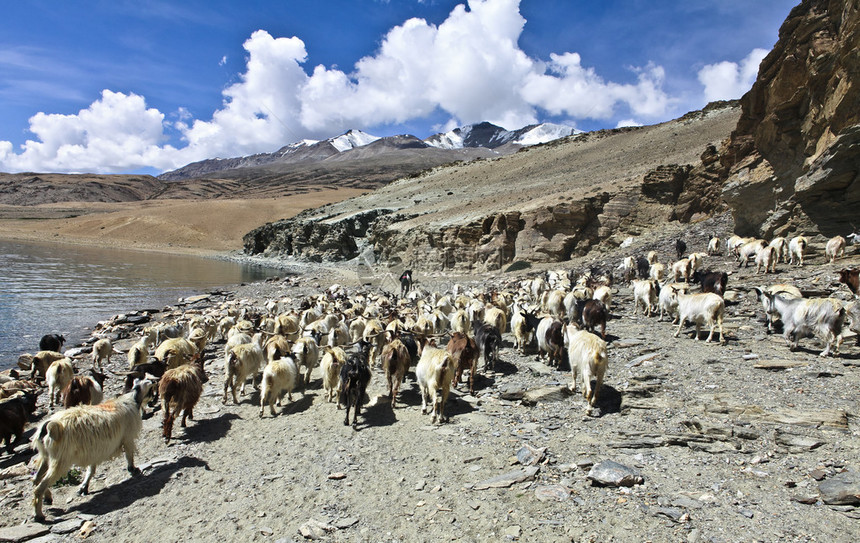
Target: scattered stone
x: 472, y: 459
x: 609, y: 473
x: 640, y: 359
x: 509, y: 479
x: 344, y: 523
x: 841, y: 489
x: 15, y: 472
x: 420, y: 484
x: 314, y: 529
x: 779, y: 364
x: 23, y: 532
x: 511, y: 393
x: 546, y: 394
x: 550, y: 493
x: 796, y: 443
x: 512, y: 532
x: 87, y: 528
x: 529, y: 456
x: 817, y: 474
x: 337, y: 476
x: 808, y: 499
x: 687, y: 503
x: 266, y: 531
x: 746, y: 512
x: 625, y: 343
x: 672, y: 513
x: 67, y: 526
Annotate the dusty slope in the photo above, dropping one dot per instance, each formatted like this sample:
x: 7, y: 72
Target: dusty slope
x: 205, y: 225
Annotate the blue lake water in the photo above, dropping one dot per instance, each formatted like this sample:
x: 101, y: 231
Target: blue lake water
x: 55, y: 288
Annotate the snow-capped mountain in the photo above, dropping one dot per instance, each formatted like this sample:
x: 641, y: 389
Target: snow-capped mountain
x: 491, y: 136
x: 345, y: 147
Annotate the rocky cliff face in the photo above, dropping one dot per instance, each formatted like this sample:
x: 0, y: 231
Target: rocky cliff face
x: 792, y: 163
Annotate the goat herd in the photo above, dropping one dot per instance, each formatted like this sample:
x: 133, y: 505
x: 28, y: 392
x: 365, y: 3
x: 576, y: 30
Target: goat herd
x: 273, y: 342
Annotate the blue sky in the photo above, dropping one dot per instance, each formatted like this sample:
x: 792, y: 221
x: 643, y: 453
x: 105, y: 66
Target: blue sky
x: 135, y: 86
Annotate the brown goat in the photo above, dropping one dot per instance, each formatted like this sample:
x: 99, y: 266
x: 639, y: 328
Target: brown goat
x: 464, y: 351
x: 180, y: 388
x: 851, y: 278
x: 395, y: 362
x: 84, y: 390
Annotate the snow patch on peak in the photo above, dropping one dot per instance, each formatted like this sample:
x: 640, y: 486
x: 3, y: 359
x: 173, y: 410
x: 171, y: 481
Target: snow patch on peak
x: 351, y: 140
x: 545, y: 132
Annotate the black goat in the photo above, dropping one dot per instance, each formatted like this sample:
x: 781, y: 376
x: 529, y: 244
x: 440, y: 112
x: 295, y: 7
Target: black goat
x: 711, y: 281
x: 405, y: 283
x: 680, y: 248
x: 51, y: 342
x: 354, y: 378
x: 489, y: 341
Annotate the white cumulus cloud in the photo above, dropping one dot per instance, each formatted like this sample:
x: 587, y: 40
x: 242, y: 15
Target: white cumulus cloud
x: 729, y: 80
x: 469, y: 67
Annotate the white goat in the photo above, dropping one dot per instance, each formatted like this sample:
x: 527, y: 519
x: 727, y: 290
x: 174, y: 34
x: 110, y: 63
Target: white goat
x: 175, y: 351
x: 808, y: 317
x: 434, y: 373
x: 307, y: 354
x: 700, y: 308
x: 766, y: 258
x: 668, y: 302
x: 604, y: 294
x: 587, y: 356
x: 242, y: 361
x: 138, y: 353
x: 657, y: 272
x: 58, y: 377
x: 714, y: 246
x: 750, y: 250
x: 87, y: 435
x: 102, y: 349
x: 644, y: 291
x: 789, y: 291
x: 796, y: 249
x: 835, y: 248
x: 780, y: 245
x: 333, y: 359
x: 279, y: 377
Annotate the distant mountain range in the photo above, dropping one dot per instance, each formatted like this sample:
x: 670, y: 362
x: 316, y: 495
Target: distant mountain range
x: 358, y: 145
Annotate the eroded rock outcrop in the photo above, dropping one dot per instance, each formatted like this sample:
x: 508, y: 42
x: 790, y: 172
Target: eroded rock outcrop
x: 792, y: 161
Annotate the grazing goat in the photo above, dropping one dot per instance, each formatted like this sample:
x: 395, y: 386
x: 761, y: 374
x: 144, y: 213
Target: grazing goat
x: 51, y: 342
x: 279, y: 377
x: 807, y: 317
x: 680, y: 248
x: 780, y: 245
x: 87, y: 435
x: 604, y: 294
x: 851, y: 279
x: 594, y: 314
x: 750, y: 250
x: 42, y: 361
x: 643, y: 266
x: 464, y: 352
x: 395, y: 362
x: 307, y: 354
x: 489, y: 341
x: 713, y: 245
x: 682, y: 268
x: 711, y: 281
x: 789, y: 291
x: 180, y: 388
x: 521, y: 330
x: 242, y: 361
x: 587, y: 356
x: 15, y: 411
x: 657, y: 272
x: 766, y: 258
x: 550, y: 338
x: 58, y: 377
x: 796, y: 249
x: 651, y: 257
x: 628, y: 268
x: 175, y: 351
x: 835, y: 248
x: 102, y: 349
x: 86, y: 390
x: 668, y: 302
x: 702, y: 308
x: 138, y: 353
x: 496, y: 317
x: 354, y: 378
x: 405, y: 283
x: 435, y: 372
x: 333, y: 359
x: 645, y: 291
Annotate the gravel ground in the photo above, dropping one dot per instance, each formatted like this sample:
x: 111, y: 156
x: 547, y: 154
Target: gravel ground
x: 727, y: 451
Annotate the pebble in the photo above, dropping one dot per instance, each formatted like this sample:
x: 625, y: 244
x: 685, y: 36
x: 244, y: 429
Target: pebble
x: 841, y: 489
x: 23, y: 532
x: 609, y: 473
